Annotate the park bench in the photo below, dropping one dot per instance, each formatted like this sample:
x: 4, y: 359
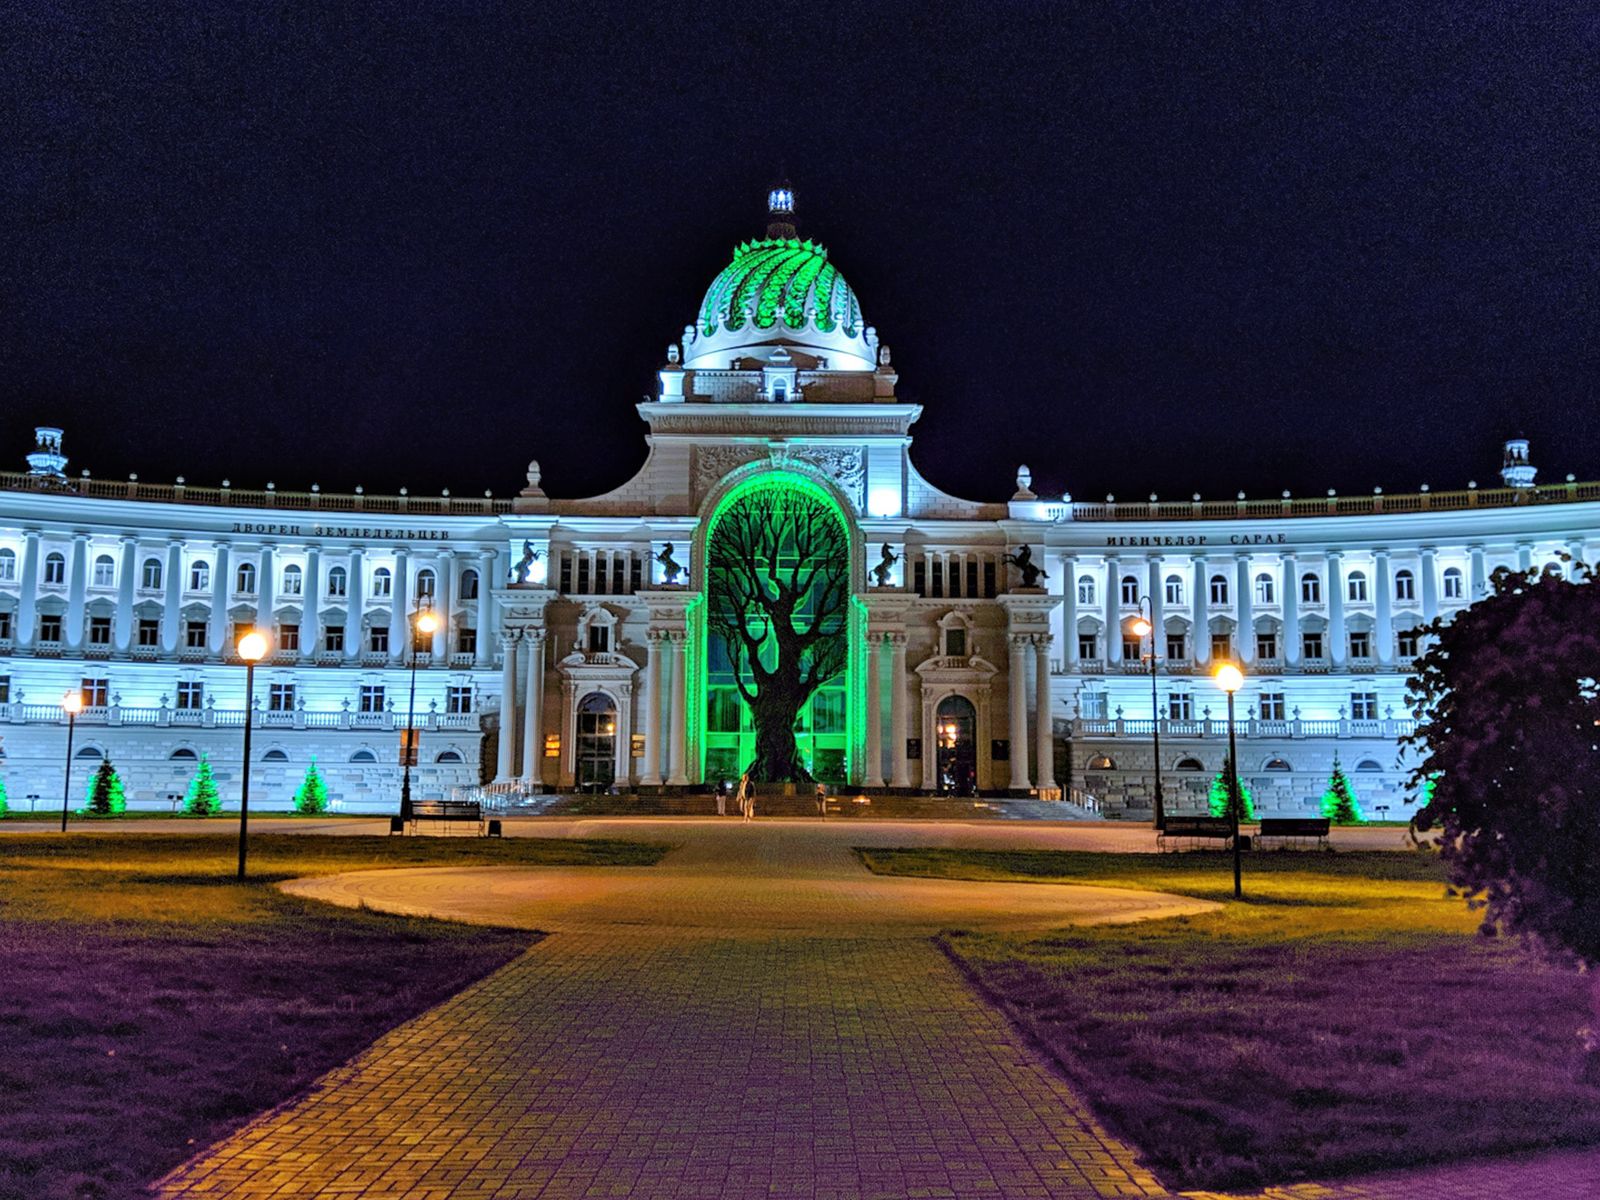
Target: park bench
x: 1194, y: 831
x: 450, y: 812
x: 1295, y: 829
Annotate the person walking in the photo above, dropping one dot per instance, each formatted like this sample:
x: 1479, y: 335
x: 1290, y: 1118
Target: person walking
x: 744, y: 795
x: 722, y: 798
x: 822, y: 799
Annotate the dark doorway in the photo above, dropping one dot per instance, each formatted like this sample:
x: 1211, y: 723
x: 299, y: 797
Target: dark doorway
x: 597, y: 743
x: 956, y: 730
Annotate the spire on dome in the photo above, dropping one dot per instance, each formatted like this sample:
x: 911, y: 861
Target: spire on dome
x: 780, y: 211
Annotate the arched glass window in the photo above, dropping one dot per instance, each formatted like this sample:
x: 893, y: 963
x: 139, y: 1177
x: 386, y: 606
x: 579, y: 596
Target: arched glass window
x: 150, y: 573
x: 293, y: 580
x: 426, y: 584
x: 1101, y: 763
x: 1219, y: 589
x: 1405, y: 585
x: 1356, y: 587
x: 1130, y: 590
x: 55, y: 568
x: 8, y: 566
x: 89, y: 752
x: 1266, y: 589
x: 182, y: 754
x: 1452, y: 583
x: 1086, y: 589
x: 274, y: 756
x: 338, y: 581
x: 596, y: 749
x: 382, y: 582
x: 1277, y: 764
x: 469, y: 584
x: 448, y: 756
x: 1310, y: 589
x: 363, y: 756
x: 1369, y: 764
x: 1190, y: 764
x: 105, y: 571
x: 244, y: 581
x: 1174, y: 589
x: 199, y: 576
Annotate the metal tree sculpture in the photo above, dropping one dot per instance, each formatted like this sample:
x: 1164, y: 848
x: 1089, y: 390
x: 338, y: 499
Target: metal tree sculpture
x: 778, y: 575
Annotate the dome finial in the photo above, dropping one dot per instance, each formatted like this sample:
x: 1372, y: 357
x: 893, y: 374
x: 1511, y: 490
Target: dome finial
x: 780, y: 210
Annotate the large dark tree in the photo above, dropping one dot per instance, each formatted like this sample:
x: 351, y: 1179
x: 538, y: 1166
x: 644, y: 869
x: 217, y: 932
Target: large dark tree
x: 778, y: 597
x: 1509, y: 726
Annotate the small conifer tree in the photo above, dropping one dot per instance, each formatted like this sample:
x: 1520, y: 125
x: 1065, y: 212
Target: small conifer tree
x: 202, y: 799
x: 1339, y: 801
x: 105, y: 791
x: 313, y: 794
x: 4, y: 805
x: 1219, y: 796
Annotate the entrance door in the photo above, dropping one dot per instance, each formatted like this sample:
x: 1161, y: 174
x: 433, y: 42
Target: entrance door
x: 956, y: 729
x: 597, y: 743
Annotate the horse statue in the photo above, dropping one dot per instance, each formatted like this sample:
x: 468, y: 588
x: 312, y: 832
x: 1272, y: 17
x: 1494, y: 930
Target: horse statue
x: 1022, y: 560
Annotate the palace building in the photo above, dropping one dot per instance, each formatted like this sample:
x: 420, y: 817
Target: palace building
x: 982, y: 646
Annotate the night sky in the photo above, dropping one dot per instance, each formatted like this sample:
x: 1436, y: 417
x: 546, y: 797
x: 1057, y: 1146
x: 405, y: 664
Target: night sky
x: 1136, y: 247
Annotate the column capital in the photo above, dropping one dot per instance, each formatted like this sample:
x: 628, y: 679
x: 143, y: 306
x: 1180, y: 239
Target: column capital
x: 1429, y: 551
x: 1380, y: 552
x: 1333, y: 555
x: 1019, y: 641
x: 897, y: 640
x: 128, y: 539
x: 1042, y: 639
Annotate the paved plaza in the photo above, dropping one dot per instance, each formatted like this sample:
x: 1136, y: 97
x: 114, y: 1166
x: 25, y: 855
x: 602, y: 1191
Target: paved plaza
x: 756, y: 1016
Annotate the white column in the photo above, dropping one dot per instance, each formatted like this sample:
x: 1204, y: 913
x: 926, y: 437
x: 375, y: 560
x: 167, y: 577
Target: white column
x: 486, y: 581
x: 172, y: 611
x: 1113, y: 612
x: 28, y: 598
x: 1244, y: 635
x: 901, y: 777
x: 1044, y: 724
x: 356, y: 611
x: 311, y: 604
x: 1199, y: 614
x: 1576, y: 551
x: 77, y: 589
x: 126, y: 577
x: 622, y: 769
x: 400, y: 608
x: 444, y: 603
x: 1524, y: 556
x: 678, y: 764
x: 267, y: 586
x: 1430, y: 584
x: 1158, y: 594
x: 508, y: 708
x: 872, y: 777
x: 1019, y: 714
x: 1069, y: 614
x: 217, y: 635
x: 1385, y: 620
x: 652, y: 714
x: 533, y: 708
x: 1290, y: 650
x: 1480, y: 575
x: 1336, y: 636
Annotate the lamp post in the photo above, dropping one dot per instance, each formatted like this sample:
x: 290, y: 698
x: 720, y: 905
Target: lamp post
x: 252, y: 648
x: 1143, y: 625
x: 424, y: 626
x: 1230, y: 679
x: 72, y: 705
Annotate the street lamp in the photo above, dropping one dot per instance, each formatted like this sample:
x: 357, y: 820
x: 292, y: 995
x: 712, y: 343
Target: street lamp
x: 1142, y: 625
x: 72, y: 705
x: 425, y: 625
x: 252, y: 649
x: 1230, y: 679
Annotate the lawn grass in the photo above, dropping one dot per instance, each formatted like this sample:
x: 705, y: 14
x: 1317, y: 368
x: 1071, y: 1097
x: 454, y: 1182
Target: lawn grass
x: 151, y: 1003
x: 1344, y: 1018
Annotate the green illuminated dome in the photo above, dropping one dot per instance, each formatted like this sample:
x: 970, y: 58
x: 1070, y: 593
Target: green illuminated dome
x: 780, y: 283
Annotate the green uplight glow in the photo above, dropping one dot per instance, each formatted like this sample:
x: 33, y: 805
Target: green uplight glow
x: 780, y: 279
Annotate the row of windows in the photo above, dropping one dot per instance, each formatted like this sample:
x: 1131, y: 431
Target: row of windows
x: 1357, y: 590
x: 1312, y: 645
x: 147, y: 633
x: 281, y: 697
x: 1270, y: 706
x: 185, y: 754
x: 1101, y: 762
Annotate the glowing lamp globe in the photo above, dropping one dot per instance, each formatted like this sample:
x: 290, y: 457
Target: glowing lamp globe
x: 1141, y: 627
x: 427, y: 622
x: 253, y: 646
x: 72, y: 703
x: 1229, y: 678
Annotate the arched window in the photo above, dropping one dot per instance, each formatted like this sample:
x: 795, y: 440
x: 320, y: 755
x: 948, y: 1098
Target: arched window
x: 1369, y: 764
x: 105, y: 571
x: 244, y: 580
x: 338, y: 582
x: 182, y: 754
x: 1130, y: 590
x: 363, y: 756
x: 293, y: 580
x: 1086, y: 589
x: 1277, y: 764
x: 1174, y: 589
x: 199, y: 576
x: 382, y: 582
x: 1101, y: 763
x: 150, y: 573
x: 1405, y: 585
x: 1310, y: 589
x: 448, y: 756
x: 55, y: 568
x: 469, y: 584
x: 8, y: 566
x: 274, y: 756
x: 1219, y: 589
x: 1266, y: 589
x: 1356, y: 588
x: 89, y: 752
x: 425, y: 585
x: 1452, y: 583
x: 1190, y: 764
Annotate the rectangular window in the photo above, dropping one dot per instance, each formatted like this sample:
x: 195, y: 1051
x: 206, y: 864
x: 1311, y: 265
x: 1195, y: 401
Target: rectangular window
x: 1221, y: 647
x: 1266, y: 645
x: 583, y: 575
x: 96, y: 693
x: 1360, y: 645
x: 288, y: 637
x: 1311, y: 645
x: 333, y: 639
x: 5, y: 689
x: 458, y: 699
x: 566, y: 574
x: 5, y: 626
x: 1132, y: 649
x: 972, y: 576
x: 378, y: 639
x: 1408, y: 643
x: 467, y: 640
x: 1087, y: 645
x: 280, y: 697
x: 919, y: 577
x: 49, y: 628
x: 1177, y: 646
x: 602, y: 574
x: 635, y: 573
x: 955, y: 643
x: 989, y: 578
x: 371, y: 698
x: 1364, y: 706
x: 99, y: 631
x: 191, y: 694
x: 599, y: 639
x: 938, y: 577
x: 149, y: 632
x: 194, y: 635
x: 1180, y: 707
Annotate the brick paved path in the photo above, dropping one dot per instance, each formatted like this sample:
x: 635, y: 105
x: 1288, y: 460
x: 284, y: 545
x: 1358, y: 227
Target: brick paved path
x: 755, y: 1017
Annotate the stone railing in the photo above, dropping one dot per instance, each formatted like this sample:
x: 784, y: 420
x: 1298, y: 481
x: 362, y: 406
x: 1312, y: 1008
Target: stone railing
x: 1325, y: 506
x: 269, y: 497
x: 1212, y: 727
x: 165, y: 716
